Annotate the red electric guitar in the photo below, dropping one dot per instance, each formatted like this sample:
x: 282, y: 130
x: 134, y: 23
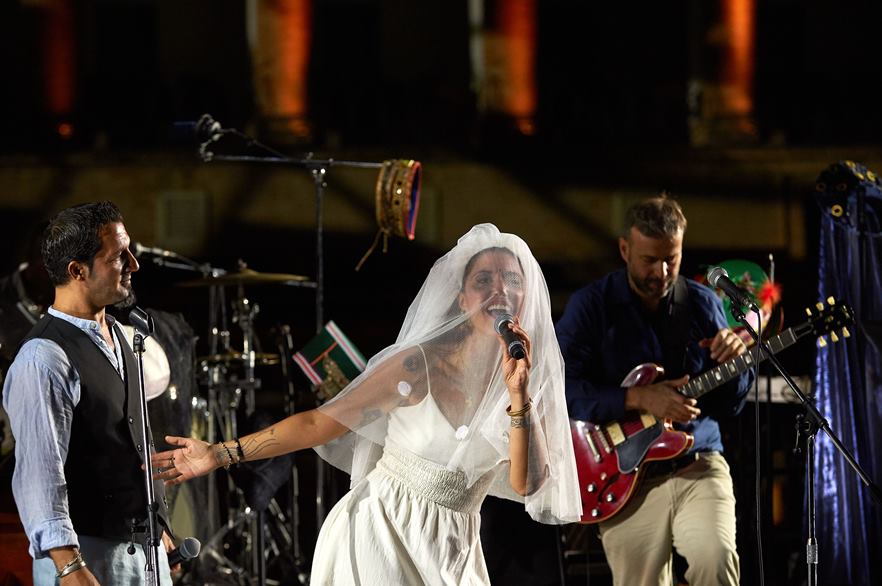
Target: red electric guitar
x: 609, y: 457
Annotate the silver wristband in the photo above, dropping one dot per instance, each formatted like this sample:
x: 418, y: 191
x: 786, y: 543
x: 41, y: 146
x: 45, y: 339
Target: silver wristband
x: 520, y: 421
x: 77, y: 563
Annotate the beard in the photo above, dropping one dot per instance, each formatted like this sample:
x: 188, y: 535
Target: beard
x: 128, y: 301
x: 652, y: 286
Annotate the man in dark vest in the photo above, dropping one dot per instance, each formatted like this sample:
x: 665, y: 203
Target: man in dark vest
x: 72, y: 399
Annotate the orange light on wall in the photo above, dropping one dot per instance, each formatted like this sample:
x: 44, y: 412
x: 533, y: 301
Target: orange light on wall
x: 65, y: 130
x: 517, y: 23
x: 59, y: 56
x: 280, y: 53
x: 738, y: 61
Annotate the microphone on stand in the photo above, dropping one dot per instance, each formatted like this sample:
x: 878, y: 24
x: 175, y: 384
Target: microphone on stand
x: 514, y: 344
x: 188, y: 550
x: 206, y: 129
x: 719, y: 278
x: 142, y: 322
x: 140, y: 250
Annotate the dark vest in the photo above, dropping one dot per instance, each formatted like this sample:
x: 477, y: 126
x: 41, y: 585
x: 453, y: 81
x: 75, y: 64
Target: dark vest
x: 105, y: 483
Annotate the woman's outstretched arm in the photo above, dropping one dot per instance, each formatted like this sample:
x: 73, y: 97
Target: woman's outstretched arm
x: 195, y: 458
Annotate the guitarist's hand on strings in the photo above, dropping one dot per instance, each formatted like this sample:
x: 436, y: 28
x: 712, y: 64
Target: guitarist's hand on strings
x: 662, y: 400
x: 724, y: 346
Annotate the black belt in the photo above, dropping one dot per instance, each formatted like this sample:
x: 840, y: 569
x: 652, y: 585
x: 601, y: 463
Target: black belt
x: 671, y: 467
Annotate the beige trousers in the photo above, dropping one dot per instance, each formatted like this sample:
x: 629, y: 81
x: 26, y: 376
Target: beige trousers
x: 692, y: 510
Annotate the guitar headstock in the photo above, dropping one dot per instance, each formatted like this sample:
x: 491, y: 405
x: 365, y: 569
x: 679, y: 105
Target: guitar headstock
x: 828, y: 319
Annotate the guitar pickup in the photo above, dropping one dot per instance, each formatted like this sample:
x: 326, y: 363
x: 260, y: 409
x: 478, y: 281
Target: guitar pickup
x: 615, y: 433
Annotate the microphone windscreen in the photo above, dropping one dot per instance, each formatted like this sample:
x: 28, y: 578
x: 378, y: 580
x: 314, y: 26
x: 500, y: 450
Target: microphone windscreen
x: 190, y: 548
x: 141, y: 321
x: 500, y: 321
x: 714, y: 274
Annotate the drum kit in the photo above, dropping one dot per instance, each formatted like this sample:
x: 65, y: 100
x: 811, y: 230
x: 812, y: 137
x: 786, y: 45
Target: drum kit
x: 256, y: 530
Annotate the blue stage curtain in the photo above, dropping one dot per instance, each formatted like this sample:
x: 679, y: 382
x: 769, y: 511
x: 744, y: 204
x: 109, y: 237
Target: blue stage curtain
x: 848, y: 380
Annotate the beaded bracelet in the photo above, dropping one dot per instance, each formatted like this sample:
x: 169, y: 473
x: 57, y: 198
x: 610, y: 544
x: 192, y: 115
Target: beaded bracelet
x: 520, y: 411
x: 77, y: 563
x: 229, y: 455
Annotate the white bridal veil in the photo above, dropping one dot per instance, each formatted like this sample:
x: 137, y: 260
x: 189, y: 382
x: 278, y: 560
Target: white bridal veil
x: 446, y: 355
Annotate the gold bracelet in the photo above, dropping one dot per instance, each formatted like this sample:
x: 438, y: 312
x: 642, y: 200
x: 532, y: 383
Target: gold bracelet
x: 520, y: 411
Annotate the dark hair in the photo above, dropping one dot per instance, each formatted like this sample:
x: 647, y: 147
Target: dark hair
x: 479, y: 254
x: 72, y: 235
x: 657, y: 217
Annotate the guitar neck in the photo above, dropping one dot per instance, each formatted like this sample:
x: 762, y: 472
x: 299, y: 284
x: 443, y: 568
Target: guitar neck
x: 720, y: 375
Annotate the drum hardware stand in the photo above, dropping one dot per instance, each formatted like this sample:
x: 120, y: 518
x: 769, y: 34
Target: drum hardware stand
x: 226, y: 393
x: 244, y: 317
x: 286, y: 349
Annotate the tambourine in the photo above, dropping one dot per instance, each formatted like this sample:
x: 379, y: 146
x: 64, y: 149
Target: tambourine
x: 397, y: 201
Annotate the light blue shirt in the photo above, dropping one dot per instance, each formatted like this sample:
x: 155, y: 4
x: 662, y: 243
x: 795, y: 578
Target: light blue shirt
x: 40, y: 393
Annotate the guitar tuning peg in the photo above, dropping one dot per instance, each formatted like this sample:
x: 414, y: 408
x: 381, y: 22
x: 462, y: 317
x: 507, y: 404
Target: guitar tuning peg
x: 808, y: 311
x: 833, y: 337
x: 820, y: 306
x: 845, y: 332
x: 831, y: 301
x: 822, y: 342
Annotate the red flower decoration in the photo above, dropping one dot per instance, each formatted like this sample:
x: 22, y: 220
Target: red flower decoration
x: 769, y: 294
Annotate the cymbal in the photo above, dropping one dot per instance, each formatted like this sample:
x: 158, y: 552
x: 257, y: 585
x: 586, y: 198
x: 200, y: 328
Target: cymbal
x: 234, y: 356
x: 245, y: 277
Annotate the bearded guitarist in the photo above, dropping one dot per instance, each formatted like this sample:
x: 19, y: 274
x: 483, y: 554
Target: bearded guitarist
x: 646, y: 313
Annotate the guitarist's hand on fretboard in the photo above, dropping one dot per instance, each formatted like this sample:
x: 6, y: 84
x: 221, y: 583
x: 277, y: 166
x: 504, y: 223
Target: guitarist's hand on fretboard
x: 724, y: 346
x: 662, y: 400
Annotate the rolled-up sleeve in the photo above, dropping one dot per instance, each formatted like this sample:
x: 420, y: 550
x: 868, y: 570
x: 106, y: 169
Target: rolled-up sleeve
x: 40, y: 393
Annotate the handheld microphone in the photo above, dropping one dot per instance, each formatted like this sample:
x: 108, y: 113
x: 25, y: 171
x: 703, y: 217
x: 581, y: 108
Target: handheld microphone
x: 719, y: 278
x: 514, y: 344
x: 188, y: 550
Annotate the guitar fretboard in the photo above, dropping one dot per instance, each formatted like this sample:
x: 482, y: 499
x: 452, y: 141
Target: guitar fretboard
x: 720, y: 375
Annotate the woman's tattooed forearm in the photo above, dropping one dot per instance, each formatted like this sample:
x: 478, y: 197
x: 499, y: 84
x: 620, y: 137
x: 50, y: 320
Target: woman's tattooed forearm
x: 259, y: 443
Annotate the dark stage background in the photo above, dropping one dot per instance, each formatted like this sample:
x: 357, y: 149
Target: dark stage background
x: 545, y: 118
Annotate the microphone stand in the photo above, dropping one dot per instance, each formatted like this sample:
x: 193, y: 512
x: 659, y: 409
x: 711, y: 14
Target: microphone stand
x: 173, y: 260
x: 211, y: 132
x: 808, y: 423
x: 143, y: 325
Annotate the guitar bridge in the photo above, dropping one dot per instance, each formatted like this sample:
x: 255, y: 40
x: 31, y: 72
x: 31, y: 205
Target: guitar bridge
x: 591, y: 444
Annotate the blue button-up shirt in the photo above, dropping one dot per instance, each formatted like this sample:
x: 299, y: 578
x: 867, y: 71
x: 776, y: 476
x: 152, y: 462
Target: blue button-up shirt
x: 40, y: 393
x: 605, y: 332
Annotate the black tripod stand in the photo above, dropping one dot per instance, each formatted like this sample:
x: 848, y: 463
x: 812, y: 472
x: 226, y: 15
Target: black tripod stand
x: 810, y: 422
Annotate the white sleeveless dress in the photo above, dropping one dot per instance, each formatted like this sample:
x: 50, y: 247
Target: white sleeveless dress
x: 410, y: 521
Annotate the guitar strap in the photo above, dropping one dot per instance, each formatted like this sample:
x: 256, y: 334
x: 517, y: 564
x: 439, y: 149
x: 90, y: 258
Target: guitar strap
x: 676, y: 330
